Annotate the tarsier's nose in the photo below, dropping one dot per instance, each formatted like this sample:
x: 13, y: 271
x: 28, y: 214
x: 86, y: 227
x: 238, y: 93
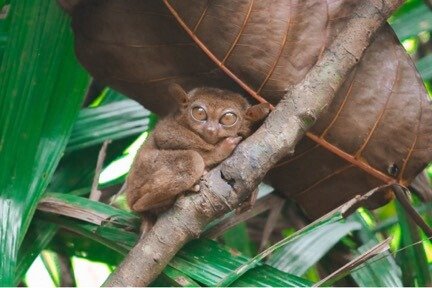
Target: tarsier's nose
x: 211, y: 130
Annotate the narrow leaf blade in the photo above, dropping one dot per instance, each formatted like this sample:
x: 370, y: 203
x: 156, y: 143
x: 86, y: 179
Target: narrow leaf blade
x: 42, y: 87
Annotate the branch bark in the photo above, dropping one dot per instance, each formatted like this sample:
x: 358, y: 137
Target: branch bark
x: 227, y: 185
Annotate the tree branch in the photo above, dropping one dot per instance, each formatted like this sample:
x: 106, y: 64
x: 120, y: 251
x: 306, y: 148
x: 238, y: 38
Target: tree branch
x: 227, y: 185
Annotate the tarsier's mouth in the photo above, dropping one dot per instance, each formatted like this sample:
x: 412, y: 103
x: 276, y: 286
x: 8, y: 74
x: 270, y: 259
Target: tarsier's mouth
x: 212, y: 140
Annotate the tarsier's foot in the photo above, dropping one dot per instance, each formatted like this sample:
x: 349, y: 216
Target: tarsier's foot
x: 197, y: 187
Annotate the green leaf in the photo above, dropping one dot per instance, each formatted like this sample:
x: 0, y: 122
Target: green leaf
x: 421, y: 208
x: 109, y: 122
x: 172, y: 277
x: 347, y: 268
x: 75, y: 171
x: 75, y: 245
x: 88, y: 210
x: 424, y: 66
x: 42, y: 87
x: 206, y: 261
x: 114, y: 238
x: 56, y: 265
x: 377, y: 273
x: 301, y: 254
x: 209, y: 262
x: 77, y: 168
x: 202, y: 260
x: 3, y: 3
x: 411, y: 19
x: 412, y: 259
x: 265, y: 275
x: 238, y: 238
x: 380, y: 273
x: 37, y: 238
x: 332, y: 217
x: 4, y: 28
x: 108, y: 96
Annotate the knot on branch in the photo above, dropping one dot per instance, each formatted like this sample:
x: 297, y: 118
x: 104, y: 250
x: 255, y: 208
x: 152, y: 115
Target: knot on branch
x: 229, y: 181
x: 215, y: 195
x: 307, y: 118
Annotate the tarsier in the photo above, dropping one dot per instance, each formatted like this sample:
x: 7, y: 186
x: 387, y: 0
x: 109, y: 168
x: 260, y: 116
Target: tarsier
x: 204, y: 129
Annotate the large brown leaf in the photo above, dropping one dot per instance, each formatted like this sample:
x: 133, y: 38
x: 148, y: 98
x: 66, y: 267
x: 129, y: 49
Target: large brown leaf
x: 376, y: 131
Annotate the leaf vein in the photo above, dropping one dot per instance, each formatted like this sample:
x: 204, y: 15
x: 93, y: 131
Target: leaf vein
x: 284, y: 41
x: 247, y: 17
x: 380, y: 115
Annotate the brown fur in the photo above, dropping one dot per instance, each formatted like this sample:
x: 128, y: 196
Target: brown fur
x: 175, y: 156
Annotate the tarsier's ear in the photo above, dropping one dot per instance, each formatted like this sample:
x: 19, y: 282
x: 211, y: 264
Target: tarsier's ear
x: 258, y: 112
x: 178, y: 93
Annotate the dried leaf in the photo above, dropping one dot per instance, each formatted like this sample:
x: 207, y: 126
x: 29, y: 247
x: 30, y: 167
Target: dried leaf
x: 376, y: 131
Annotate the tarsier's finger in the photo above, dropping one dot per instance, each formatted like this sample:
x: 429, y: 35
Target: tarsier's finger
x: 195, y: 188
x: 234, y: 140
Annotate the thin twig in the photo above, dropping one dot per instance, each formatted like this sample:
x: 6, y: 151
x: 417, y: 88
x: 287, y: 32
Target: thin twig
x: 68, y: 277
x: 401, y: 196
x: 272, y: 219
x: 95, y: 194
x: 347, y: 268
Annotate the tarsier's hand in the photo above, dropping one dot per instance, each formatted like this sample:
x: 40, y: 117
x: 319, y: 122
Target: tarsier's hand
x: 218, y: 154
x: 221, y: 151
x: 227, y: 146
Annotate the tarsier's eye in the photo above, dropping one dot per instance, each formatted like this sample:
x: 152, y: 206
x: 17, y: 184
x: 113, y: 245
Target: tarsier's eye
x: 199, y: 113
x: 228, y: 119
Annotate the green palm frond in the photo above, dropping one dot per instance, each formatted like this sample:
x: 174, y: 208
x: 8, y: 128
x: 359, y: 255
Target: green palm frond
x: 41, y: 90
